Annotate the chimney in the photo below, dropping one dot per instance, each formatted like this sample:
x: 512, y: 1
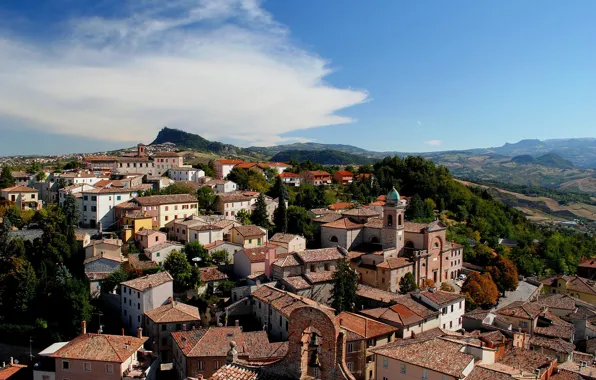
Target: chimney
x: 139, y: 332
x: 84, y: 327
x: 11, y: 361
x: 237, y: 323
x: 269, y: 259
x: 123, y: 331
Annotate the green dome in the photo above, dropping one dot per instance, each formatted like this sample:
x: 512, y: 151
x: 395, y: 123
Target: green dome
x: 393, y: 196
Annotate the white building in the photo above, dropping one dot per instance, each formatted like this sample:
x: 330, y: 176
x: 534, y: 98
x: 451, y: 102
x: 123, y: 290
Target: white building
x: 223, y: 167
x: 290, y: 179
x: 78, y: 178
x: 451, y: 306
x: 222, y: 185
x: 159, y: 253
x: 142, y: 294
x: 186, y: 174
x: 98, y: 205
x: 229, y: 204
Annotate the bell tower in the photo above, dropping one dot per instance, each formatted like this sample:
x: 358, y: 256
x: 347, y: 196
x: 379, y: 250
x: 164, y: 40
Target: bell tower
x: 394, y: 222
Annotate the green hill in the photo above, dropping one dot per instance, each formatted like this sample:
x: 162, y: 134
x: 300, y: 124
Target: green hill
x: 524, y: 159
x: 191, y: 141
x: 555, y: 161
x: 323, y: 157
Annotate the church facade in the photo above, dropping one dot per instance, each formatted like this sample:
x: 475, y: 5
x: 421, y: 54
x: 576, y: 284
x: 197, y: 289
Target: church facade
x: 384, y: 246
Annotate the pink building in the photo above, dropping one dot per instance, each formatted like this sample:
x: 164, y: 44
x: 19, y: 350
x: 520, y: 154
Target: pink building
x: 149, y: 238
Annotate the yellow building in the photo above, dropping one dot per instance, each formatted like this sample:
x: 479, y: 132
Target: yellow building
x: 249, y: 236
x: 165, y: 208
x: 133, y: 222
x: 575, y: 286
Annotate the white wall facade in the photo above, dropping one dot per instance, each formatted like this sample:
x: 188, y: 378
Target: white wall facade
x: 135, y: 303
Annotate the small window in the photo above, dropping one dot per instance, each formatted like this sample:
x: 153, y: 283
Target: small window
x: 350, y: 366
x: 216, y: 364
x: 424, y: 374
x: 65, y: 365
x: 109, y: 369
x: 403, y: 369
x: 139, y: 318
x: 163, y: 327
x: 385, y: 363
x: 326, y: 267
x: 350, y: 347
x: 200, y: 365
x: 138, y: 306
x: 333, y: 239
x: 157, y: 254
x: 138, y: 294
x: 87, y: 366
x: 312, y: 268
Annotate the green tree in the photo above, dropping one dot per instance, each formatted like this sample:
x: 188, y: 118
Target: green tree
x: 345, y: 286
x: 447, y: 287
x: 419, y: 210
x: 181, y: 270
x: 407, y: 283
x: 70, y: 208
x: 6, y: 178
x: 206, y: 197
x: 18, y: 286
x: 300, y: 223
x: 239, y: 177
x: 504, y: 274
x: 259, y: 216
x: 196, y: 250
x: 113, y: 281
x: 280, y: 216
x: 220, y: 256
x: 243, y: 217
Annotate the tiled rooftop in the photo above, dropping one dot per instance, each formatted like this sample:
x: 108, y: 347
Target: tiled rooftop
x: 525, y: 360
x: 318, y: 255
x: 556, y: 344
x: 100, y: 347
x: 395, y: 262
x: 360, y: 212
x: 318, y: 277
x: 250, y: 230
x: 442, y: 298
x: 558, y: 301
x: 165, y: 245
x: 363, y: 326
x: 149, y: 281
x: 156, y: 200
x: 376, y: 294
x: 343, y: 224
x: 284, y: 302
x: 521, y: 309
x: 283, y: 238
x: 257, y: 254
x: 288, y: 261
x: 173, y: 312
x: 212, y: 274
x: 297, y: 282
x: 437, y: 355
x: 238, y: 372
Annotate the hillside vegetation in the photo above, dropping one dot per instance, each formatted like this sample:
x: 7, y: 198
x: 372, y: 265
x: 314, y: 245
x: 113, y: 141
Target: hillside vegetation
x: 323, y: 157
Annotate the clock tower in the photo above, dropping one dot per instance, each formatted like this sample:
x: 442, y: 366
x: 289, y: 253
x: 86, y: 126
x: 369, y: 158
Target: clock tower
x: 394, y: 222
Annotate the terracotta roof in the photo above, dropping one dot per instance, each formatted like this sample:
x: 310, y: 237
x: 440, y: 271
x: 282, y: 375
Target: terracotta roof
x: 246, y: 165
x: 275, y: 164
x: 117, y: 190
x: 318, y: 277
x: 97, y: 276
x: 556, y: 344
x: 395, y: 262
x: 237, y: 372
x: 344, y: 224
x: 99, y: 158
x: 478, y: 314
x: 10, y: 370
x: 323, y: 211
x: 442, y: 298
x: 317, y: 255
x: 563, y: 374
x: 376, y: 294
x: 415, y: 227
x: 317, y: 173
x: 116, y: 242
x: 255, y: 255
x: 283, y: 238
x: 289, y: 175
x: 234, y: 197
x: 344, y: 173
x: 217, y: 182
x: 174, y: 312
x: 360, y: 211
x: 288, y: 261
x: 224, y: 161
x: 149, y: 281
x: 374, y: 223
x: 558, y: 328
x: 212, y: 274
x: 155, y: 200
x: 297, y: 282
x: 327, y: 218
x: 127, y: 205
x: 165, y: 245
x: 341, y: 206
x: 521, y: 309
x: 100, y: 347
x: 571, y: 367
x: 215, y: 342
x: 482, y: 373
x: 250, y: 230
x: 588, y: 262
x: 363, y: 326
x: 525, y: 360
x: 284, y: 302
x: 399, y: 314
x: 148, y: 232
x: 19, y: 189
x: 219, y: 243
x: 437, y: 355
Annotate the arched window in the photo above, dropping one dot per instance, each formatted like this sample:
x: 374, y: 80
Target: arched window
x: 409, y: 244
x: 374, y: 239
x: 399, y: 220
x: 334, y: 239
x: 390, y: 220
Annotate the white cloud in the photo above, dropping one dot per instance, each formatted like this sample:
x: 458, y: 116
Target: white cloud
x: 219, y: 68
x: 433, y: 142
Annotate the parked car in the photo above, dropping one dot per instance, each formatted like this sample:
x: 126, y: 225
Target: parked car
x: 462, y: 277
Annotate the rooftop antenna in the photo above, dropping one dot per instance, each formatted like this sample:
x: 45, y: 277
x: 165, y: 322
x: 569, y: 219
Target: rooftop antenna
x: 30, y: 349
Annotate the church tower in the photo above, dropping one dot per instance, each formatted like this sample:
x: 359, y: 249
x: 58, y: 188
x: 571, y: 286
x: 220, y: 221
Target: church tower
x: 394, y: 222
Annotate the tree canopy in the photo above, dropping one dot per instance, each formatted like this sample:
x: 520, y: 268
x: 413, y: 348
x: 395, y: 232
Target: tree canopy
x: 407, y: 283
x: 345, y: 286
x: 481, y: 289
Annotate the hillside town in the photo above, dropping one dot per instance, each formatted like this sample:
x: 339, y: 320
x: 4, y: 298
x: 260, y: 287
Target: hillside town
x: 147, y: 267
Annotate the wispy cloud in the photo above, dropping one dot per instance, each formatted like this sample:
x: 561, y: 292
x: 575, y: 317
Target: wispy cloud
x: 419, y: 123
x: 214, y: 67
x: 433, y: 142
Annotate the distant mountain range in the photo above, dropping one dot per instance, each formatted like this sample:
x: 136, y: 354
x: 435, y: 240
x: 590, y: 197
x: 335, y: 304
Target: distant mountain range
x: 563, y: 163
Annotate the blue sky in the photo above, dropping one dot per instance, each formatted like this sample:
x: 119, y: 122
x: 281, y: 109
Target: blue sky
x: 383, y: 75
